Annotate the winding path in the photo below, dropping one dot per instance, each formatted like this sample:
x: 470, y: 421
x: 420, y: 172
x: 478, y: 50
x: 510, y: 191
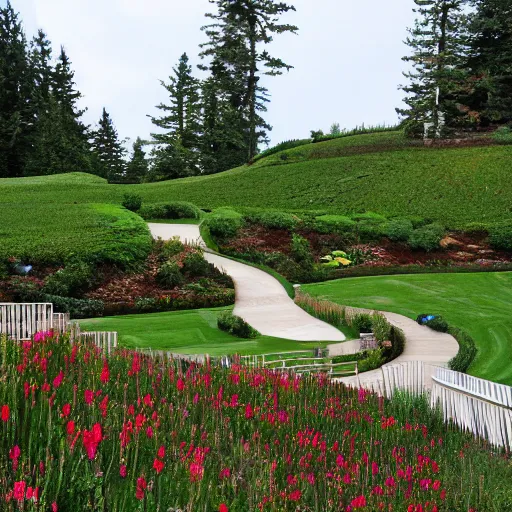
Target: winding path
x: 260, y: 299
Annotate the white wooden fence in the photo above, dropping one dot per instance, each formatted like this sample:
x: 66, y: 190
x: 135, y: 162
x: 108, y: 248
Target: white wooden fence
x: 61, y: 322
x: 105, y: 341
x: 21, y: 321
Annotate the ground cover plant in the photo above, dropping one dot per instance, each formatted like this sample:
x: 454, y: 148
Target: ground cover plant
x: 129, y: 432
x: 478, y: 304
x: 393, y: 179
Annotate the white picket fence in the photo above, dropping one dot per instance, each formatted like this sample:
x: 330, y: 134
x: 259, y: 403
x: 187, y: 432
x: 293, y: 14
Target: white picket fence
x: 477, y: 405
x: 61, y: 322
x: 21, y: 321
x: 105, y: 341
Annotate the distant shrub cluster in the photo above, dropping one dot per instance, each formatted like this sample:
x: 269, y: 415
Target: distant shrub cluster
x: 171, y: 210
x: 289, y: 144
x: 319, y: 136
x: 236, y: 326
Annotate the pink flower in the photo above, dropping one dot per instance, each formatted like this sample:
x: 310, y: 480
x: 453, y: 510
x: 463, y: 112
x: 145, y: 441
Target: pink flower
x: 122, y: 471
x: 66, y: 410
x: 54, y: 507
x: 358, y: 502
x: 105, y: 374
x: 5, y: 413
x: 196, y: 472
x: 225, y: 473
x: 161, y: 452
x: 180, y: 384
x: 19, y: 490
x: 223, y: 508
x: 141, y: 487
x: 58, y: 380
x: 158, y: 466
x: 295, y: 495
x: 88, y: 396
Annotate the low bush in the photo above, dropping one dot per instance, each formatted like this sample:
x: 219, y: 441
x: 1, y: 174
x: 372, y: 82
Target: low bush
x: 72, y: 281
x: 334, y: 224
x: 502, y: 135
x: 347, y: 358
x: 374, y: 360
x: 169, y: 248
x: 195, y: 265
x: 500, y: 236
x: 288, y: 144
x: 397, y: 338
x: 399, y: 230
x: 132, y: 202
x: 236, y: 326
x: 224, y: 223
x: 169, y: 275
x: 362, y: 322
x: 427, y: 238
x: 171, y: 210
x: 381, y: 328
x: 274, y: 220
x: 77, y: 308
x: 301, y: 250
x: 438, y: 323
x: 467, y: 350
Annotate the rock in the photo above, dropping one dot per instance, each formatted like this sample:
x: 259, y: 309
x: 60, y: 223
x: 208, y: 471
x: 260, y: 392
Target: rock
x: 448, y: 241
x: 485, y: 251
x: 473, y: 247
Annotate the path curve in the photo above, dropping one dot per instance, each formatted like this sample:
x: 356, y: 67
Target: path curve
x: 260, y: 300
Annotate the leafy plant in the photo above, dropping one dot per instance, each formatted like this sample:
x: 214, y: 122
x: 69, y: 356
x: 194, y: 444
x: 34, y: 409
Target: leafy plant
x: 502, y: 135
x: 500, y: 235
x: 71, y: 281
x: 224, y: 223
x: 170, y: 248
x: 427, y: 237
x: 170, y: 210
x: 399, y: 230
x: 274, y: 220
x: 363, y: 322
x: 374, y: 360
x: 236, y: 326
x: 195, y: 265
x: 132, y: 202
x: 169, y: 275
x: 301, y: 250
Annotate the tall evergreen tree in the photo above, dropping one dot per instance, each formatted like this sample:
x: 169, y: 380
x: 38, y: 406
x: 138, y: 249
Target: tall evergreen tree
x: 439, y: 48
x: 137, y: 168
x: 237, y: 60
x: 490, y: 61
x: 181, y: 125
x: 41, y: 56
x: 108, y: 152
x: 16, y: 95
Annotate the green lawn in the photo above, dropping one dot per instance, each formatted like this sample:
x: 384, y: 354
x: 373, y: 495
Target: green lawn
x: 188, y: 332
x: 379, y: 172
x: 481, y: 304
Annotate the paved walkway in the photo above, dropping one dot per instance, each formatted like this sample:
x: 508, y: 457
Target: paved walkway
x: 261, y: 300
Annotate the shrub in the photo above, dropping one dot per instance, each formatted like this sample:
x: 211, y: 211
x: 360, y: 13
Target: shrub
x: 399, y: 230
x: 500, y: 236
x: 169, y: 275
x: 427, y: 237
x: 301, y: 250
x: 236, y: 326
x: 334, y: 224
x: 132, y: 202
x: 224, y: 223
x: 78, y: 308
x: 347, y: 358
x: 380, y: 327
x: 4, y: 270
x: 171, y: 248
x: 172, y: 210
x: 274, y: 220
x: 362, y: 322
x: 467, y: 350
x: 435, y: 322
x: 289, y: 144
x: 502, y: 135
x: 195, y: 265
x: 71, y: 281
x: 374, y: 360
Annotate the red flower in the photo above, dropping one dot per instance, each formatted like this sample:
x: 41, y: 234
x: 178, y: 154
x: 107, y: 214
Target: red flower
x: 58, y: 380
x: 358, y: 502
x: 122, y: 471
x: 19, y: 490
x: 223, y: 508
x: 70, y: 428
x: 248, y: 412
x: 105, y: 373
x: 180, y: 384
x: 92, y: 439
x: 161, y: 452
x: 196, y: 472
x: 225, y: 473
x: 295, y: 495
x: 158, y: 465
x: 5, y: 413
x: 148, y: 401
x: 66, y: 410
x: 54, y: 507
x: 88, y: 396
x: 141, y: 487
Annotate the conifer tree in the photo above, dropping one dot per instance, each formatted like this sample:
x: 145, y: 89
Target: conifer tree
x: 239, y: 30
x: 41, y: 56
x: 439, y: 48
x: 137, y: 168
x: 490, y: 61
x: 16, y: 95
x: 176, y: 152
x: 108, y: 152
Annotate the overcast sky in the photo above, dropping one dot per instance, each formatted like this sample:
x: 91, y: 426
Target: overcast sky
x: 346, y: 58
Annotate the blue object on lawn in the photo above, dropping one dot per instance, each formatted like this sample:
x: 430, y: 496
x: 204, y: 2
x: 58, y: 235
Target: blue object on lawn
x: 23, y: 269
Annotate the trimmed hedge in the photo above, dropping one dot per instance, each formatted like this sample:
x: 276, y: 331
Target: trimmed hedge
x: 500, y: 236
x: 77, y: 308
x: 427, y: 237
x: 236, y: 326
x: 172, y: 210
x: 273, y: 220
x: 224, y: 223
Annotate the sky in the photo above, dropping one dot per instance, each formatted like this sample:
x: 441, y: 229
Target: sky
x: 346, y: 58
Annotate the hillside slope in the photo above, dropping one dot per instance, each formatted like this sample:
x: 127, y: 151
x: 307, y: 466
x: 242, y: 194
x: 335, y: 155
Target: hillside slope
x: 383, y: 173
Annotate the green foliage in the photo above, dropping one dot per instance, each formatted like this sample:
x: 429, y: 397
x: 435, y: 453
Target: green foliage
x: 336, y: 133
x: 467, y: 350
x: 334, y: 224
x: 374, y: 360
x: 381, y: 328
x: 427, y: 237
x: 301, y: 250
x: 169, y: 248
x: 274, y: 219
x: 289, y: 144
x: 500, y: 235
x: 438, y: 324
x: 362, y: 322
x: 399, y: 230
x: 171, y: 210
x: 224, y: 223
x: 195, y: 265
x: 236, y: 326
x: 78, y: 308
x: 73, y: 280
x: 169, y: 274
x: 502, y: 135
x: 132, y: 202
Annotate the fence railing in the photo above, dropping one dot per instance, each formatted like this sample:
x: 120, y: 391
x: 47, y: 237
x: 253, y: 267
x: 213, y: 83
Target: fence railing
x: 106, y: 341
x: 61, y: 322
x: 21, y: 321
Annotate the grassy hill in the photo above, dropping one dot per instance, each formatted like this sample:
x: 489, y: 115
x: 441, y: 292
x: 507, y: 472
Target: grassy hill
x: 382, y: 172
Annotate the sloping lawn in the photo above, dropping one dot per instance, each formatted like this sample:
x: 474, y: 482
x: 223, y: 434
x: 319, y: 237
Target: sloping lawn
x: 188, y: 332
x: 480, y: 303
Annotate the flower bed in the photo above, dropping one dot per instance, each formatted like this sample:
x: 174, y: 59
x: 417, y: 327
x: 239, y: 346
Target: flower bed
x: 133, y: 433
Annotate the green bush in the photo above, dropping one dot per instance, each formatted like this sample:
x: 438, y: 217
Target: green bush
x: 374, y: 360
x: 195, y: 265
x: 289, y: 144
x: 438, y: 324
x: 347, y: 358
x: 301, y: 250
x: 427, y: 237
x: 78, y: 308
x: 132, y: 202
x: 334, y: 224
x: 169, y: 275
x: 224, y: 223
x: 399, y: 230
x: 236, y: 326
x: 274, y: 220
x: 380, y: 327
x: 362, y: 322
x: 72, y: 281
x: 397, y: 338
x: 500, y: 236
x: 502, y: 135
x: 171, y: 248
x: 171, y: 210
x: 467, y: 350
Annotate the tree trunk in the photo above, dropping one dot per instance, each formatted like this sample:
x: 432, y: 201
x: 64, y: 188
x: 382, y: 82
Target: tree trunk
x: 252, y: 85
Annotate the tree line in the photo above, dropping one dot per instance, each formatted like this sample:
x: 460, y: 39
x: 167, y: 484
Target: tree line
x: 461, y: 67
x: 208, y: 125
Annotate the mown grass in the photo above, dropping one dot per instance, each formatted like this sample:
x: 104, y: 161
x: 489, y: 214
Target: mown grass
x: 454, y: 186
x: 480, y: 304
x: 188, y: 332
x: 54, y: 233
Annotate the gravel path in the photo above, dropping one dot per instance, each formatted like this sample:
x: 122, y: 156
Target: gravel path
x: 261, y: 300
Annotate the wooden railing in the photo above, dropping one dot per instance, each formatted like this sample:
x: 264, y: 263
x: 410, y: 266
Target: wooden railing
x: 21, y: 321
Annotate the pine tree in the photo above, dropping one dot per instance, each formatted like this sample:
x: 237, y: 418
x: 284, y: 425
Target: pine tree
x: 41, y: 56
x: 181, y: 122
x: 490, y: 61
x: 16, y: 95
x: 108, y: 152
x: 238, y: 31
x: 137, y: 168
x: 439, y: 44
